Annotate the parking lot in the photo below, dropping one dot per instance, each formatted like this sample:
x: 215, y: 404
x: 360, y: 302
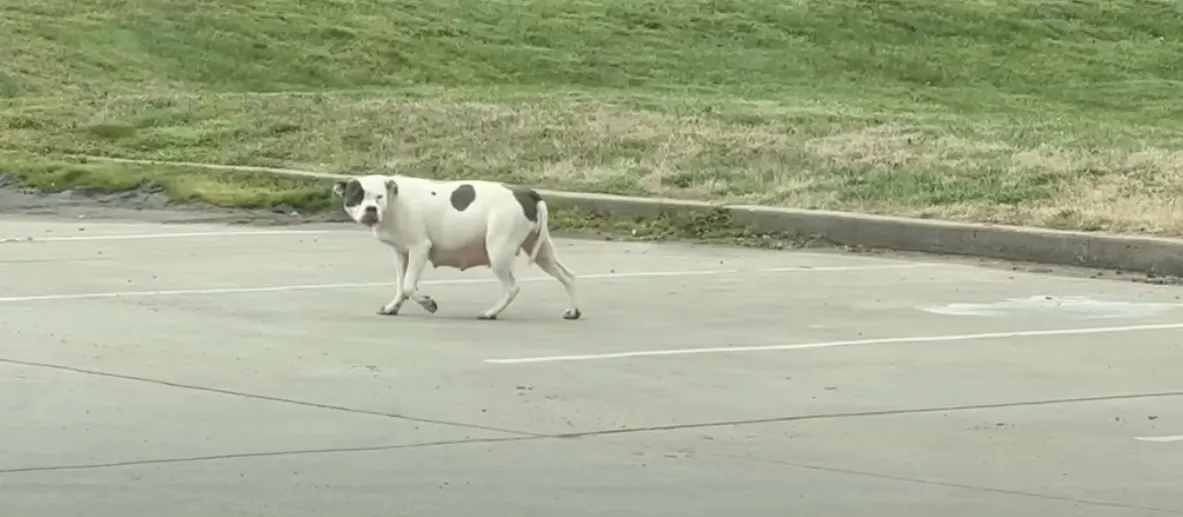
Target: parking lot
x: 198, y: 370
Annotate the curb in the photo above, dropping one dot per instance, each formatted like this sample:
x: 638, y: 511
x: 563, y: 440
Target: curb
x: 1153, y: 256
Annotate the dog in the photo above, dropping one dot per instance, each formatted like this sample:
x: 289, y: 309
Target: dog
x: 457, y: 224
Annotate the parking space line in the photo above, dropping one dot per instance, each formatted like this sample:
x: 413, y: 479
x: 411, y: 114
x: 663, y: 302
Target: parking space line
x: 1160, y: 439
x: 829, y: 344
x: 347, y: 285
x: 174, y: 235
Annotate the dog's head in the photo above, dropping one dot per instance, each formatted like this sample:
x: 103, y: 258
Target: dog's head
x: 366, y: 197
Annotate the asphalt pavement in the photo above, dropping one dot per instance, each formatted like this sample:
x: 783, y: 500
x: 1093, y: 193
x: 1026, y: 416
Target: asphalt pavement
x: 152, y: 369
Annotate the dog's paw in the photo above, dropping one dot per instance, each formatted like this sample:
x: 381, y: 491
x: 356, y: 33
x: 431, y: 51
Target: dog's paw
x: 388, y: 310
x: 572, y: 314
x: 486, y: 316
x: 429, y: 304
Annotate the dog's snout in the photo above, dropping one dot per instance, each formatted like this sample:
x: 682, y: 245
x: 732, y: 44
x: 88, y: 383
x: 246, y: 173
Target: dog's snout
x: 369, y: 216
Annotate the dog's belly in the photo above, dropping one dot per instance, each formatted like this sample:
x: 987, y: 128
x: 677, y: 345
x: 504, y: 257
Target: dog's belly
x: 460, y: 258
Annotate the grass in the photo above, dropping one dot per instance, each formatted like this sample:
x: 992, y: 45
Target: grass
x: 180, y: 183
x: 307, y: 195
x: 1061, y: 114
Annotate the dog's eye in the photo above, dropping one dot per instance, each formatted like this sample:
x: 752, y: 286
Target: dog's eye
x: 378, y: 197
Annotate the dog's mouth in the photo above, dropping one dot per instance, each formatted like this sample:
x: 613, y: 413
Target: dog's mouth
x: 369, y: 219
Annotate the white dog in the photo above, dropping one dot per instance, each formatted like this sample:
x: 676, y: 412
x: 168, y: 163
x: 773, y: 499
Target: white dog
x: 459, y: 224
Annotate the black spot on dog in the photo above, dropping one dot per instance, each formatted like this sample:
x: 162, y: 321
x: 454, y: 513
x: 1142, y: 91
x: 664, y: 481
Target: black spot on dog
x: 354, y: 194
x: 529, y: 199
x: 462, y: 197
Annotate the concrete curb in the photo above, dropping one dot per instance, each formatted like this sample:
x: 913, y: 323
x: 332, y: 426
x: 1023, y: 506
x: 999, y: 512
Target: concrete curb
x: 1149, y: 255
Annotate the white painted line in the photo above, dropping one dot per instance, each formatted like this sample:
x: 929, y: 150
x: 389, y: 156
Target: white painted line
x: 177, y: 235
x: 829, y: 344
x: 311, y: 287
x: 1161, y: 439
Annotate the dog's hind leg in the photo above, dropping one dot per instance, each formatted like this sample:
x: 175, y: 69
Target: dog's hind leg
x: 548, y: 261
x: 502, y: 251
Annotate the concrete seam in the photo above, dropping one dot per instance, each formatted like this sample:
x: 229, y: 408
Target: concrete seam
x: 269, y: 398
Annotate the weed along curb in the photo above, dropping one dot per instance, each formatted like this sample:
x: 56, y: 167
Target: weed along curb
x: 1148, y: 255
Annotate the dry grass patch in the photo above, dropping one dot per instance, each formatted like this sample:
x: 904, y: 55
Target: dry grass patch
x: 1117, y: 190
x: 919, y: 169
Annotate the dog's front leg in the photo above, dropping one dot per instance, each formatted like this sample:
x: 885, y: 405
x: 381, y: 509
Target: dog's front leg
x: 400, y: 271
x: 402, y: 265
x: 416, y: 262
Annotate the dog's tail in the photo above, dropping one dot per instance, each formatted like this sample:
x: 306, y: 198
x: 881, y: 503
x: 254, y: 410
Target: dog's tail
x: 543, y: 231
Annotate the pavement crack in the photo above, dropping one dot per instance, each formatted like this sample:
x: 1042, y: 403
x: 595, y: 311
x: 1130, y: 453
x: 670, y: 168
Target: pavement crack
x: 949, y: 484
x: 269, y: 398
x: 863, y: 414
x: 522, y: 436
x: 266, y: 454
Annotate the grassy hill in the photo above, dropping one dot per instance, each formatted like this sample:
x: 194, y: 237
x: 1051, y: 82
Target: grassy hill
x: 1055, y: 113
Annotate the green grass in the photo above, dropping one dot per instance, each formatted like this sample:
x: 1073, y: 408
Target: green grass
x: 1052, y: 113
x: 180, y: 183
x: 306, y: 195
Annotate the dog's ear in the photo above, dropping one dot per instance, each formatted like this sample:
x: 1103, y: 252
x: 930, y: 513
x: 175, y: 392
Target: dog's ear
x: 391, y: 188
x: 339, y: 188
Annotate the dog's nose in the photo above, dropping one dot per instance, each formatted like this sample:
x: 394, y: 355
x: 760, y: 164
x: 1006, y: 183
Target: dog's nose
x: 371, y: 209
